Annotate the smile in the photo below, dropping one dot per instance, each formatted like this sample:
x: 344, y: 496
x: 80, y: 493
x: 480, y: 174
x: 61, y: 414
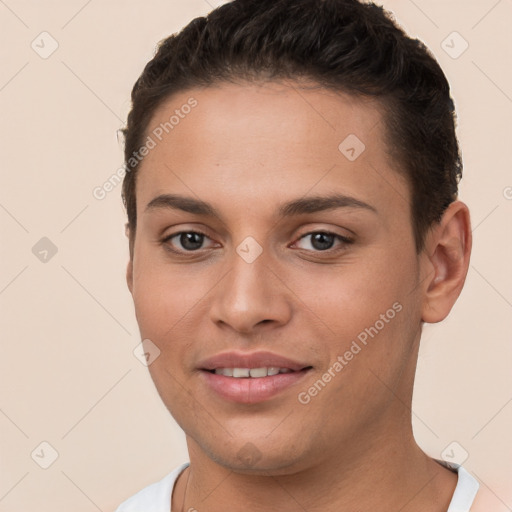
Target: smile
x: 238, y: 373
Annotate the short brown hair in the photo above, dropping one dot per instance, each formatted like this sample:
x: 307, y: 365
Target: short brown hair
x: 342, y: 45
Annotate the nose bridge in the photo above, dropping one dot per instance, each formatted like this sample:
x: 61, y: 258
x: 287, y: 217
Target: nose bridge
x: 250, y: 294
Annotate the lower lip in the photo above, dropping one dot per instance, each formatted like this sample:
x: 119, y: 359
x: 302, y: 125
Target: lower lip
x: 251, y: 390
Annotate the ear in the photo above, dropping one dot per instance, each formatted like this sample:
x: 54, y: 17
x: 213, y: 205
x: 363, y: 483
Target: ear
x: 129, y: 276
x: 448, y: 249
x: 129, y: 268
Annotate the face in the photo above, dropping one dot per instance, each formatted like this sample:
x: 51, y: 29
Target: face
x: 241, y: 262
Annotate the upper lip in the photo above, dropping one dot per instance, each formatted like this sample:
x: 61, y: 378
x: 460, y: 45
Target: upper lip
x: 250, y: 360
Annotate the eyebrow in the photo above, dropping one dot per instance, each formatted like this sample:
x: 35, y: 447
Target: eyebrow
x: 304, y: 205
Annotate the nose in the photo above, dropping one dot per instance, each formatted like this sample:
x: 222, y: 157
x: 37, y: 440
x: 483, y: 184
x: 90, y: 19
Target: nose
x: 251, y: 297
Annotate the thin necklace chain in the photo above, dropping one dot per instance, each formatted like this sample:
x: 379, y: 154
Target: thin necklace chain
x: 186, y: 489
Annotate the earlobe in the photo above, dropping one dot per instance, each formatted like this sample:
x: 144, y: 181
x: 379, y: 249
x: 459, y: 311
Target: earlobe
x: 449, y: 249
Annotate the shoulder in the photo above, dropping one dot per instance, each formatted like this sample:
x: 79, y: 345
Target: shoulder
x: 155, y: 497
x: 488, y: 500
x: 471, y: 496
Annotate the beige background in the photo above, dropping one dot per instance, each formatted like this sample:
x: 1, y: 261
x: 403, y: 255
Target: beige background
x: 69, y: 376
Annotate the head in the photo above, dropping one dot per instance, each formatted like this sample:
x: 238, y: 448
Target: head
x: 258, y: 115
x: 339, y: 45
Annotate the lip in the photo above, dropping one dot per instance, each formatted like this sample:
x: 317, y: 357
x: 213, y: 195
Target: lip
x: 251, y: 390
x: 250, y: 360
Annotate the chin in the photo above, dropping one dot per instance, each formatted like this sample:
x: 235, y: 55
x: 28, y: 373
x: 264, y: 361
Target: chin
x: 258, y: 457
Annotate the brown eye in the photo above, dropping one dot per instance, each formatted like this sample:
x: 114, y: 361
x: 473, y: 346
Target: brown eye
x: 188, y: 240
x: 323, y: 240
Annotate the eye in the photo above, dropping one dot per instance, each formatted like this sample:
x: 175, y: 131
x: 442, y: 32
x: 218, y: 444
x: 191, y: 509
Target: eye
x: 323, y: 241
x: 190, y: 241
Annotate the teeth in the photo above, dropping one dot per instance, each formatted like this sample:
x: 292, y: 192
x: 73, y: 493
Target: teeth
x: 251, y: 372
x: 241, y: 372
x: 258, y: 372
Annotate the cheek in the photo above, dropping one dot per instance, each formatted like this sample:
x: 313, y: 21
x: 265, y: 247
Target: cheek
x: 352, y: 297
x: 163, y: 296
x: 371, y: 319
x: 169, y: 302
x: 162, y: 301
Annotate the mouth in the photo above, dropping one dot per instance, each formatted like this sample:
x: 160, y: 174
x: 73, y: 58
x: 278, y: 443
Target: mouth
x: 253, y: 373
x: 251, y: 378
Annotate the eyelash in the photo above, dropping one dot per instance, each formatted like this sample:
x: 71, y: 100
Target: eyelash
x: 344, y: 241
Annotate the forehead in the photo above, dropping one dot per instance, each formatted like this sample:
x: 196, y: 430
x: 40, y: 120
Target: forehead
x: 234, y: 117
x: 265, y: 140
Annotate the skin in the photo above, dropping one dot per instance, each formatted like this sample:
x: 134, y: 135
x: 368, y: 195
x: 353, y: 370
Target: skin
x: 246, y: 149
